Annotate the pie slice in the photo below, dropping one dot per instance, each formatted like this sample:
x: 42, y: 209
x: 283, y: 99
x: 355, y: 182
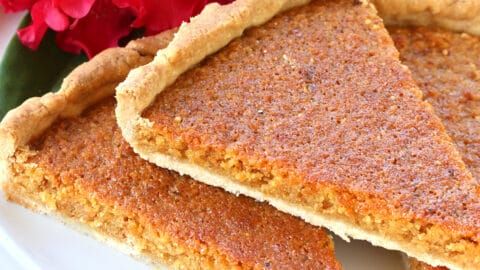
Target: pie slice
x: 446, y: 66
x: 313, y: 112
x: 64, y: 154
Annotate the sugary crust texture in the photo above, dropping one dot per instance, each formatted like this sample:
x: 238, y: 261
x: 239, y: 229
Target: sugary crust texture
x: 206, y: 33
x: 462, y: 16
x: 87, y: 84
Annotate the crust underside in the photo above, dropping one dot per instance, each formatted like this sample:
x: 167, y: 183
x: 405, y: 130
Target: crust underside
x: 341, y: 227
x: 413, y: 264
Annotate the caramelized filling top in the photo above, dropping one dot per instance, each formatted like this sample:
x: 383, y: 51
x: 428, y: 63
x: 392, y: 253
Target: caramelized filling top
x: 90, y: 152
x: 320, y: 91
x: 446, y: 66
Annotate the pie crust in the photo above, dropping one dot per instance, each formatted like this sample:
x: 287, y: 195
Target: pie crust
x: 85, y: 86
x: 76, y: 166
x: 202, y: 37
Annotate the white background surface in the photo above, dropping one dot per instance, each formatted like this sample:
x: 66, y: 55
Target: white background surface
x: 32, y: 241
x: 8, y: 24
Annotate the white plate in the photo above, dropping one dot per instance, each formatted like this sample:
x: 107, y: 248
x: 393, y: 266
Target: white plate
x: 38, y: 242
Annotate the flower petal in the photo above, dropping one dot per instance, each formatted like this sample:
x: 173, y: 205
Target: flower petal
x: 16, y: 5
x: 99, y: 24
x: 102, y: 28
x: 53, y: 16
x: 75, y: 8
x: 32, y: 35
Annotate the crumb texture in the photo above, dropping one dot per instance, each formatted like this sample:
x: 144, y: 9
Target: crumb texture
x: 89, y: 153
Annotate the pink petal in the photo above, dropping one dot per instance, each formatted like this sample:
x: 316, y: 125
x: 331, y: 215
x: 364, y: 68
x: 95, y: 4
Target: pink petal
x: 54, y: 17
x: 75, y: 8
x: 31, y: 36
x: 137, y: 6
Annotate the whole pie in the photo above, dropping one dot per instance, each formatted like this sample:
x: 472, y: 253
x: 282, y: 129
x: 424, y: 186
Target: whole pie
x: 64, y: 154
x: 446, y: 66
x: 313, y: 112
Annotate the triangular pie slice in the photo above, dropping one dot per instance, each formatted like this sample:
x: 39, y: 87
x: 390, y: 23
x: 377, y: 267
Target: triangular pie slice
x: 427, y: 52
x: 446, y: 66
x: 313, y: 112
x: 64, y: 154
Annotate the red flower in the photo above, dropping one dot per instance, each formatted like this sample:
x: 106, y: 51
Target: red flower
x: 94, y: 25
x: 75, y: 8
x: 53, y: 14
x: 102, y: 28
x: 157, y: 16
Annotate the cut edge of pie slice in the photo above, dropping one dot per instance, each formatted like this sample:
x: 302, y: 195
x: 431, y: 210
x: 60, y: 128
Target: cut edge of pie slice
x: 204, y: 36
x: 59, y: 153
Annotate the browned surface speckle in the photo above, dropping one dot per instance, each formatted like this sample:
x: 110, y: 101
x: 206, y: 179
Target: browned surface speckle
x: 317, y: 100
x: 451, y: 83
x: 446, y: 66
x: 90, y: 152
x: 337, y: 110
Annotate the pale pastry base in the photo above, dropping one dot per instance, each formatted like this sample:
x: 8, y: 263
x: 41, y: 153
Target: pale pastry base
x: 340, y: 227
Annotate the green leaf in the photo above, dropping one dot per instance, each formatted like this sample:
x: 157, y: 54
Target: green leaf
x: 25, y: 73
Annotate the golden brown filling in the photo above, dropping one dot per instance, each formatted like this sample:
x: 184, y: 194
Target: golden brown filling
x: 87, y: 157
x: 446, y: 66
x: 315, y: 108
